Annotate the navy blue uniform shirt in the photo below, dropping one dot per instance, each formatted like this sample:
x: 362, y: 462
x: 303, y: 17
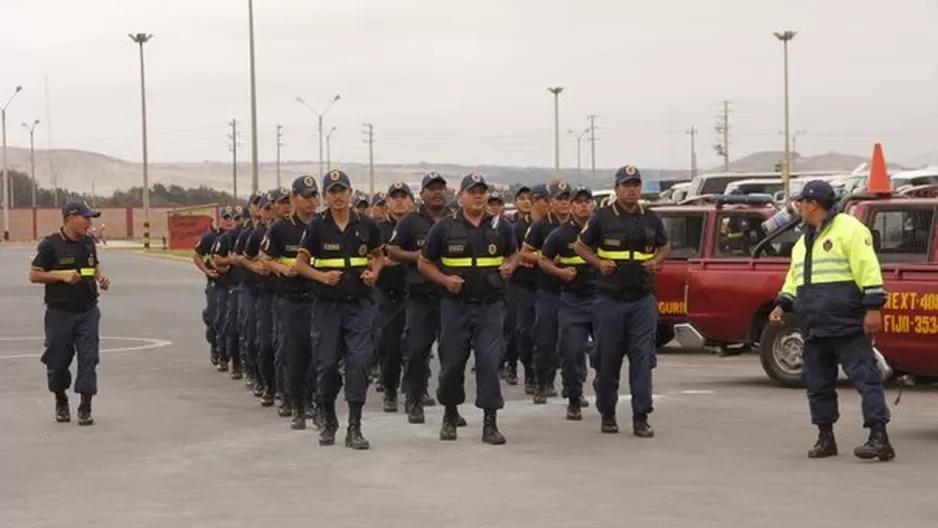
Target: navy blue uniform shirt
x: 433, y: 249
x: 632, y: 222
x: 361, y: 225
x: 535, y: 238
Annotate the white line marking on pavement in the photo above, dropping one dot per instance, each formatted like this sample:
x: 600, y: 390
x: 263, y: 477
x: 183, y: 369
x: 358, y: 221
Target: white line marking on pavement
x: 146, y: 344
x: 697, y: 392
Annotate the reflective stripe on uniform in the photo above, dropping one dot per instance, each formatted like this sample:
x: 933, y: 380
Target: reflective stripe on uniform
x: 287, y: 261
x: 84, y: 272
x: 469, y: 262
x: 624, y: 255
x: 571, y: 260
x: 353, y: 262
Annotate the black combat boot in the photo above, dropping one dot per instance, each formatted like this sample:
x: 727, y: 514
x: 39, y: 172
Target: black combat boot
x: 379, y: 385
x: 826, y: 445
x: 310, y: 409
x: 259, y: 389
x: 511, y: 377
x: 540, y: 392
x: 460, y: 421
x: 62, y: 412
x: 267, y: 400
x: 609, y: 424
x: 213, y: 357
x: 584, y: 402
x: 428, y: 401
x: 286, y: 409
x: 530, y: 386
x: 415, y: 414
x: 222, y: 365
x: 236, y: 372
x: 490, y: 433
x: 448, y: 430
x: 319, y: 418
x: 330, y: 424
x: 390, y: 401
x: 550, y: 391
x: 877, y: 445
x: 298, y: 423
x: 640, y: 427
x: 353, y: 435
x: 574, y: 414
x: 84, y: 410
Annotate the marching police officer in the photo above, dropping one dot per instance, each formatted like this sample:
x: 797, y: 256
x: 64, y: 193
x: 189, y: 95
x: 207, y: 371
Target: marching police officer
x: 575, y: 309
x: 202, y: 258
x: 335, y: 253
x: 379, y: 207
x: 626, y: 243
x: 548, y: 291
x: 295, y: 293
x: 532, y: 206
x: 391, y: 291
x: 228, y: 330
x: 247, y: 317
x: 471, y: 255
x: 67, y: 264
x: 422, y: 310
x: 835, y: 288
x: 510, y: 361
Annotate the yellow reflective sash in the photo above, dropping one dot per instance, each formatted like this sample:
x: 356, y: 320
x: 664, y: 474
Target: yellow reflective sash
x: 84, y: 272
x: 624, y: 255
x: 571, y: 261
x: 469, y: 262
x: 353, y: 262
x: 287, y: 261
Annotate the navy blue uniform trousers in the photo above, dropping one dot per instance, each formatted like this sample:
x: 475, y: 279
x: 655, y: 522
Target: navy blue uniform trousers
x: 264, y: 314
x: 575, y: 319
x: 545, y: 336
x: 247, y: 323
x: 232, y: 330
x: 855, y: 353
x: 524, y: 329
x: 511, y: 322
x: 625, y: 328
x: 208, y: 315
x: 299, y: 353
x: 222, y: 293
x: 68, y: 333
x: 422, y: 316
x: 471, y: 327
x: 342, y: 330
x: 278, y: 343
x: 391, y: 321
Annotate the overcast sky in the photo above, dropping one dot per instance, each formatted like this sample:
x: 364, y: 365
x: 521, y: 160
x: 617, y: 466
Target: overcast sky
x: 466, y: 80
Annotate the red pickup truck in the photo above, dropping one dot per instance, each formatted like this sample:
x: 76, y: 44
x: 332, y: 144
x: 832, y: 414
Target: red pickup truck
x: 722, y: 227
x: 729, y: 300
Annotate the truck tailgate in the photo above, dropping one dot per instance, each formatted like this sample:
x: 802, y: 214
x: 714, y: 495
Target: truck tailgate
x: 910, y: 318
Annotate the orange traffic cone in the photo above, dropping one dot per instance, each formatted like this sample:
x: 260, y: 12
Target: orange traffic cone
x: 878, y: 180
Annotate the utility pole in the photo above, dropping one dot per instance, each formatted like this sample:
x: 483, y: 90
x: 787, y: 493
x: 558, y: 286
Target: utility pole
x: 319, y: 116
x: 692, y: 132
x: 579, y: 137
x: 785, y: 37
x: 6, y: 174
x: 722, y: 129
x: 140, y: 39
x: 329, y: 149
x: 370, y: 139
x: 31, y: 128
x: 49, y: 150
x: 556, y: 90
x: 254, y: 156
x: 279, y: 144
x: 94, y: 196
x: 592, y: 129
x: 234, y: 155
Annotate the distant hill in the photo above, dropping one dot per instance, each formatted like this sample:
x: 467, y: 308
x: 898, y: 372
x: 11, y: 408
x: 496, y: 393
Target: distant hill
x: 78, y: 169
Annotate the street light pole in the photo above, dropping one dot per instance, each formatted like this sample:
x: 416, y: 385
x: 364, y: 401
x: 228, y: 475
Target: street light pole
x: 254, y: 160
x: 786, y: 37
x: 319, y: 117
x: 329, y: 149
x: 556, y: 91
x: 6, y: 174
x: 579, y: 137
x: 141, y: 39
x: 279, y: 144
x: 31, y: 127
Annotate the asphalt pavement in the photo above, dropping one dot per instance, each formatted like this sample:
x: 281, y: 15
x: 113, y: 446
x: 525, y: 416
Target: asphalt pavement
x: 177, y: 444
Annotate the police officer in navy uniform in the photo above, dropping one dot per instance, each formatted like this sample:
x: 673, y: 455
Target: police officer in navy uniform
x: 510, y: 362
x: 228, y: 311
x: 422, y: 310
x: 247, y: 320
x: 342, y: 251
x: 549, y: 287
x: 296, y: 297
x: 67, y: 264
x: 575, y: 310
x: 222, y: 287
x: 524, y: 280
x: 625, y: 243
x: 471, y: 255
x: 835, y: 287
x: 391, y: 293
x: 202, y: 258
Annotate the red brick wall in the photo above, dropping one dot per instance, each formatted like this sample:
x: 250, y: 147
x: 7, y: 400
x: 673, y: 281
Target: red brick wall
x: 119, y: 222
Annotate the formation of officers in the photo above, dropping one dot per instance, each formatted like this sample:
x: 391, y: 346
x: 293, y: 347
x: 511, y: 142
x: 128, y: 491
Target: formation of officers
x: 306, y: 300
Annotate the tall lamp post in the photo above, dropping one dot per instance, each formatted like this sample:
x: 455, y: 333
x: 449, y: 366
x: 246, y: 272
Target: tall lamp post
x: 556, y: 91
x: 785, y: 37
x: 319, y: 116
x: 31, y: 128
x: 254, y: 155
x: 329, y: 148
x: 579, y: 137
x: 6, y: 174
x: 140, y: 39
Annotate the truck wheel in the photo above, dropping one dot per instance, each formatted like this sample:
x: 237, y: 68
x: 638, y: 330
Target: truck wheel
x: 781, y: 350
x: 664, y: 335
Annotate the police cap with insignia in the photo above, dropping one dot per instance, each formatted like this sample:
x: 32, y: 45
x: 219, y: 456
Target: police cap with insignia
x: 336, y: 177
x: 496, y: 196
x: 281, y: 195
x: 558, y: 189
x: 256, y: 198
x: 521, y: 190
x: 818, y: 191
x: 305, y: 186
x: 473, y: 180
x: 360, y: 199
x: 378, y: 199
x: 539, y: 192
x: 77, y: 208
x: 582, y: 191
x: 400, y: 187
x: 628, y: 173
x: 227, y: 212
x: 266, y: 199
x: 430, y: 178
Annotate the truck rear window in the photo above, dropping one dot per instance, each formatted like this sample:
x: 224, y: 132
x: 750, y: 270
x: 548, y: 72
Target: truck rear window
x: 686, y: 235
x: 903, y: 235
